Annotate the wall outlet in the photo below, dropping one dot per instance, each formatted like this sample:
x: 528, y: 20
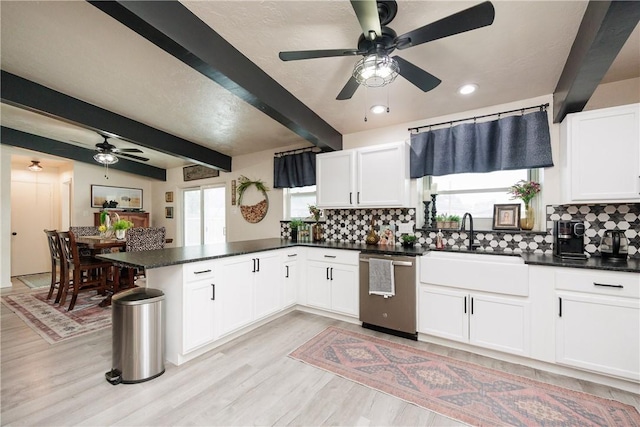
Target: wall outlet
x: 405, y: 227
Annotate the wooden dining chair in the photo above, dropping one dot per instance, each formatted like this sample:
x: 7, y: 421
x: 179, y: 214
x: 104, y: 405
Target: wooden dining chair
x: 86, y: 273
x: 82, y: 230
x: 56, y: 262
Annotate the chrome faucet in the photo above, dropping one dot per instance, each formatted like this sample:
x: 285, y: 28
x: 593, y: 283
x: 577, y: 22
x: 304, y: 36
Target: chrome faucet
x: 472, y: 246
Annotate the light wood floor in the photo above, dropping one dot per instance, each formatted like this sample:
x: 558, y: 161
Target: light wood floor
x: 249, y: 381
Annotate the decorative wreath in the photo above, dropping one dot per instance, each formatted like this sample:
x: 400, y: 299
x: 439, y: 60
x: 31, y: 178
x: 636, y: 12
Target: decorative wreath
x: 254, y: 213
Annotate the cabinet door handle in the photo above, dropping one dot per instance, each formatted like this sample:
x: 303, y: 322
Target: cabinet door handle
x: 213, y: 292
x: 559, y: 306
x: 465, y: 305
x: 254, y: 265
x: 471, y: 305
x: 331, y: 273
x: 258, y: 270
x: 202, y: 271
x: 358, y: 198
x: 327, y: 273
x: 604, y: 285
x: 287, y: 274
x: 350, y: 198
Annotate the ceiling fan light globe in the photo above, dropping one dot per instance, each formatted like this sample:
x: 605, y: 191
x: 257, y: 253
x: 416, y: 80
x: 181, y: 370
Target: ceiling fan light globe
x: 378, y: 109
x: 376, y: 70
x: 105, y: 158
x: 34, y: 166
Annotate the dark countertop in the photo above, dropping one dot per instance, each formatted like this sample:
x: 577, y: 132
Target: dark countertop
x: 175, y: 256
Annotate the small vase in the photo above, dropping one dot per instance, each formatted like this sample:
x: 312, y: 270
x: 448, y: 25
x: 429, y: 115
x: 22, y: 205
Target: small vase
x: 120, y: 234
x: 528, y: 221
x: 294, y: 235
x: 317, y: 232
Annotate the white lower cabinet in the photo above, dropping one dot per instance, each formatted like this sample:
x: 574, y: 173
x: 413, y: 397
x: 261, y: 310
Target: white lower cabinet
x: 290, y: 277
x: 598, y: 322
x: 199, y: 315
x: 497, y: 322
x: 332, y: 281
x: 250, y: 289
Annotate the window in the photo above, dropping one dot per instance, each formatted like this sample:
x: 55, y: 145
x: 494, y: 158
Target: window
x: 476, y: 193
x: 297, y: 201
x: 204, y: 216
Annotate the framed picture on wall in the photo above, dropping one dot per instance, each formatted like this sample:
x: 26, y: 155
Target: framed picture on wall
x: 116, y: 197
x: 506, y: 217
x: 168, y: 212
x: 168, y: 197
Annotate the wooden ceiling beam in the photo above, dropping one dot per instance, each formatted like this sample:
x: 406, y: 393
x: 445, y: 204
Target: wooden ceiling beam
x: 16, y: 138
x: 23, y: 93
x: 605, y: 27
x: 175, y: 29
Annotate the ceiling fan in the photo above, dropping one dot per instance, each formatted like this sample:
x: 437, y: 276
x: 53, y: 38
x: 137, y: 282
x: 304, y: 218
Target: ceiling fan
x: 377, y: 42
x: 109, y: 153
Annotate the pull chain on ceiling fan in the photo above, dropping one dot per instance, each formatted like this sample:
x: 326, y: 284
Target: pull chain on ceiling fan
x: 377, y: 68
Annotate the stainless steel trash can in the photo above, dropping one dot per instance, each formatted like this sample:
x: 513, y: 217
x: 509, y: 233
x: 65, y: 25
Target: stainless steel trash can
x: 138, y: 336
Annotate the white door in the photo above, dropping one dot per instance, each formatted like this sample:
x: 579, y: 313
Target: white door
x: 290, y: 279
x: 234, y: 295
x: 443, y: 313
x: 381, y: 177
x: 318, y: 285
x: 501, y: 323
x: 335, y: 179
x: 31, y: 213
x: 199, y: 314
x: 267, y: 284
x: 344, y: 289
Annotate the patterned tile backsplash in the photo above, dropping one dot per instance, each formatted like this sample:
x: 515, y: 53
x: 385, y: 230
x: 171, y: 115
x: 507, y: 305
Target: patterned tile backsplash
x: 352, y: 225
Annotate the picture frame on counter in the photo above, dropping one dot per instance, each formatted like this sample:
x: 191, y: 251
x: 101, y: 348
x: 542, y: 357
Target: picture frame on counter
x: 506, y: 216
x: 124, y: 198
x: 168, y: 212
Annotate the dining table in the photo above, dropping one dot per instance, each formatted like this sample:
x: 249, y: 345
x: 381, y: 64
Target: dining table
x: 96, y: 244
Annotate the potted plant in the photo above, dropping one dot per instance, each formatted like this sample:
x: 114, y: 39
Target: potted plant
x: 408, y: 240
x: 440, y: 221
x: 294, y: 224
x: 120, y: 226
x: 453, y: 221
x: 525, y: 191
x: 316, y: 229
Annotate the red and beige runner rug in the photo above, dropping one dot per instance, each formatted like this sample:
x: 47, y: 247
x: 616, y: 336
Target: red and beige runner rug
x: 460, y: 390
x: 55, y: 323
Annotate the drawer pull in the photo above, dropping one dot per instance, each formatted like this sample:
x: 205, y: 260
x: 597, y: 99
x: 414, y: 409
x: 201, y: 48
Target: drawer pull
x: 329, y: 256
x: 292, y: 255
x: 604, y: 285
x: 202, y: 271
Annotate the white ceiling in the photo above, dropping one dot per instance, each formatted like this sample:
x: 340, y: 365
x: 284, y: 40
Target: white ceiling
x: 74, y: 48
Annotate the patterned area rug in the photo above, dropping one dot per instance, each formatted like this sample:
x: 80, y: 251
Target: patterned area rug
x: 38, y: 280
x: 56, y: 324
x: 464, y: 391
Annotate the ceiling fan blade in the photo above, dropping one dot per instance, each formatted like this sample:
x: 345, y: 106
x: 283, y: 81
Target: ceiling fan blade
x: 417, y: 75
x: 475, y: 17
x: 348, y: 90
x: 310, y: 54
x: 132, y: 156
x: 367, y: 13
x: 128, y: 150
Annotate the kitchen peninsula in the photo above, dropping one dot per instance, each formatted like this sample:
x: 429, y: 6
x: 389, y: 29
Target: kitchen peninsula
x: 215, y: 293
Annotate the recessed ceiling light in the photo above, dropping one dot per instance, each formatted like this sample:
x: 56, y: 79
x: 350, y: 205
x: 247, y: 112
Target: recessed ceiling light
x: 378, y: 109
x: 467, y: 89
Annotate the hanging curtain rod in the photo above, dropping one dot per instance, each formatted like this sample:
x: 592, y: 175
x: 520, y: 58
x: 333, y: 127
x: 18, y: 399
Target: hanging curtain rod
x: 542, y: 107
x: 297, y: 150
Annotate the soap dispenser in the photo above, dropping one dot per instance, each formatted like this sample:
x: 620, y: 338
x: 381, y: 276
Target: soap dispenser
x: 439, y: 240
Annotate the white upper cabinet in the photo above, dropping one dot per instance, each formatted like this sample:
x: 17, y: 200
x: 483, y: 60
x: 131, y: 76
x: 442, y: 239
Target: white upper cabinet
x: 376, y: 176
x: 601, y: 155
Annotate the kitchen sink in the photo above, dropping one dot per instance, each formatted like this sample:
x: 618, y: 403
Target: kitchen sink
x: 475, y: 256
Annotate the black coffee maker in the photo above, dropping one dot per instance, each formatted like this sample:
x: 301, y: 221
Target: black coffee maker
x: 568, y: 239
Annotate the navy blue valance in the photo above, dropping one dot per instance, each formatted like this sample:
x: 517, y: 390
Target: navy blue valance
x: 514, y: 142
x: 294, y: 170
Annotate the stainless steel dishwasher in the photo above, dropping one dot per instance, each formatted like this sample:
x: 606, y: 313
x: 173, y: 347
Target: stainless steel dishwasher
x: 396, y: 314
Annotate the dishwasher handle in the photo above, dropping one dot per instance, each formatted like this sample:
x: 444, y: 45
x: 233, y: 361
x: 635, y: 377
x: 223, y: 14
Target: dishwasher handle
x: 395, y: 263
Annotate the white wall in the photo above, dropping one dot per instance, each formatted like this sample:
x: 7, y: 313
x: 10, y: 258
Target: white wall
x: 5, y: 216
x: 254, y: 166
x: 84, y: 175
x: 613, y: 94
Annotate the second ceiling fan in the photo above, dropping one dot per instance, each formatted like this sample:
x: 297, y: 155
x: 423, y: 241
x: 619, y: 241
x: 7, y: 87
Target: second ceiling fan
x: 377, y: 42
